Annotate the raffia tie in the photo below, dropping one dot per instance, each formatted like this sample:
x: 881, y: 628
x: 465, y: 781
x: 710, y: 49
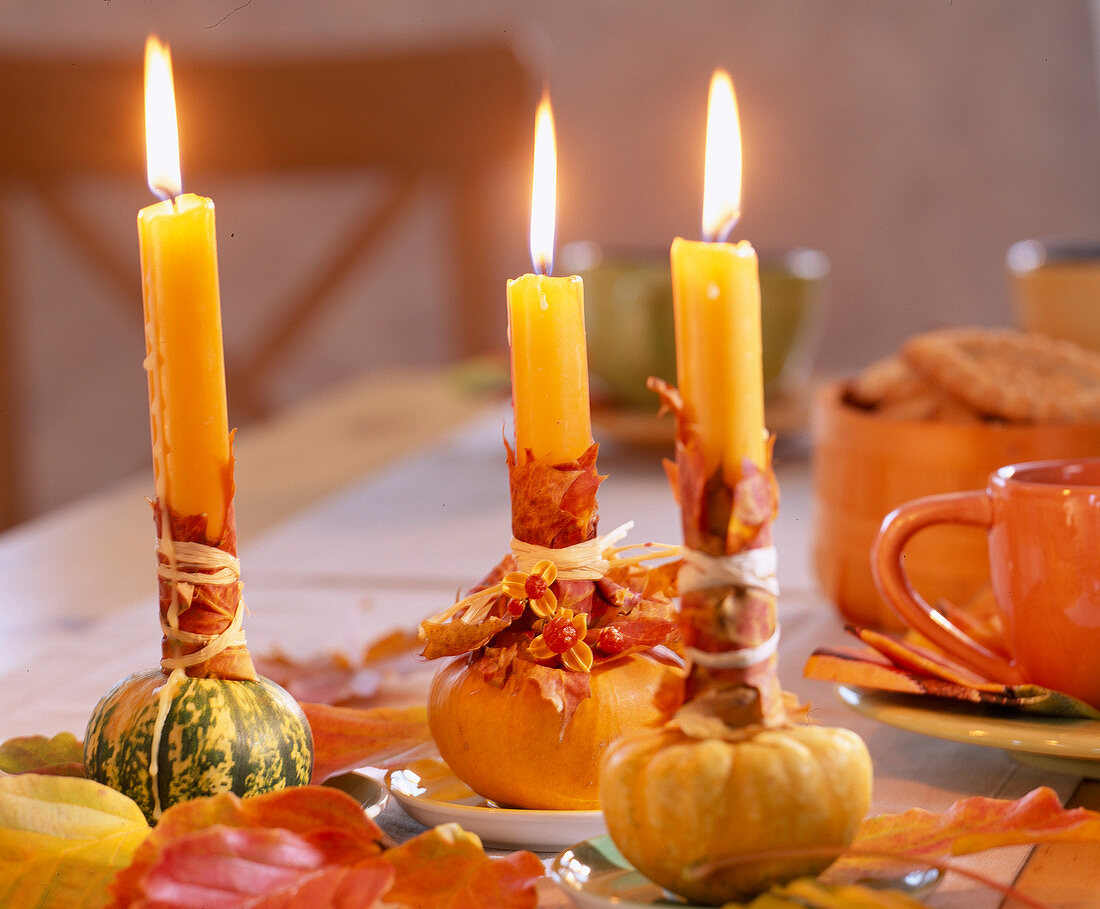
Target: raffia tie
x: 186, y: 566
x: 590, y: 560
x: 751, y: 569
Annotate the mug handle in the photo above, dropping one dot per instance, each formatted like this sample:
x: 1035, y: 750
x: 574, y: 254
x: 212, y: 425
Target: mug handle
x: 974, y: 508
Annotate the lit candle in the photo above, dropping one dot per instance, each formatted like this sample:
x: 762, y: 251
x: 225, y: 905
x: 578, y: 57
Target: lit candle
x: 546, y: 331
x: 192, y: 460
x: 716, y: 294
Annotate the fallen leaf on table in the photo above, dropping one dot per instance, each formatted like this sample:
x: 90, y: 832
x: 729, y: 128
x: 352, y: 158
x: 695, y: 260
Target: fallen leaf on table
x: 321, y: 828
x: 974, y: 824
x: 807, y: 893
x: 62, y: 755
x: 261, y: 868
x: 336, y: 678
x: 311, y: 847
x: 907, y: 668
x: 348, y: 737
x: 446, y: 868
x: 62, y: 841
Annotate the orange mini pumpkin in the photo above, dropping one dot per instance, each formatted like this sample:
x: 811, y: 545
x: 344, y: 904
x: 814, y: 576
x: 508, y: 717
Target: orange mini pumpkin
x: 511, y: 747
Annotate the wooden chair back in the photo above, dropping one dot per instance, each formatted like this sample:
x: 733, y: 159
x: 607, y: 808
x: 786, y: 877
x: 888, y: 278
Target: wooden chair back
x: 452, y: 115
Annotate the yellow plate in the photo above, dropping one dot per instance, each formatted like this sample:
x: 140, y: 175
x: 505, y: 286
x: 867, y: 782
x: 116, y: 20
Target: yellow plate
x: 1061, y: 745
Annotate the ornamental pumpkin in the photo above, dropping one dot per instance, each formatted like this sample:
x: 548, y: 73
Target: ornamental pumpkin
x: 514, y: 747
x: 683, y: 809
x: 218, y: 735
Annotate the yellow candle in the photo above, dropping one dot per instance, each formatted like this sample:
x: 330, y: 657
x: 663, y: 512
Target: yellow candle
x: 716, y: 298
x: 192, y: 462
x: 546, y: 330
x: 549, y: 366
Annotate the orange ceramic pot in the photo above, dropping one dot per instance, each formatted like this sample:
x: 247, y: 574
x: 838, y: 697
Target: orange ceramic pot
x: 865, y: 466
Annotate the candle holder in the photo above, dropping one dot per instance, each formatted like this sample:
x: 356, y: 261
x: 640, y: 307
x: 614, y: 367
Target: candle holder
x: 558, y: 651
x: 203, y: 722
x: 750, y: 775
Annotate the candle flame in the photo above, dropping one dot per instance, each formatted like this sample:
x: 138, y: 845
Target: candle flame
x: 544, y: 189
x: 162, y: 148
x: 722, y: 174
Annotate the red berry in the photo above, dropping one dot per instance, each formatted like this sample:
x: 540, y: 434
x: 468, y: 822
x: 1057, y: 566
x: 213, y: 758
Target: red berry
x: 534, y: 586
x: 560, y: 634
x: 515, y: 607
x: 611, y: 640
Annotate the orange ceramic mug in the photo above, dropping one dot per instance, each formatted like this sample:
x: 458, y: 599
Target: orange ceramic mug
x: 1043, y: 528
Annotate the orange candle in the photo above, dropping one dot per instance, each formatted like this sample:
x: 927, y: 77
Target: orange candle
x: 716, y: 298
x: 546, y: 331
x: 192, y: 460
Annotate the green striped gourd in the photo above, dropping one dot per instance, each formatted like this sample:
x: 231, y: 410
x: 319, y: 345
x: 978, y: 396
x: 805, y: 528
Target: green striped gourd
x: 219, y: 735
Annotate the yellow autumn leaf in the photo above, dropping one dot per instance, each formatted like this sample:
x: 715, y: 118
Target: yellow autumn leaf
x: 806, y: 893
x: 62, y: 840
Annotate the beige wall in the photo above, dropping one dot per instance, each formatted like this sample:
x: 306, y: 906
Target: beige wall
x: 912, y: 141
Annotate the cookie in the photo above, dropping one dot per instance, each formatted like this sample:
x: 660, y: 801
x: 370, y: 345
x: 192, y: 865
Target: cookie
x: 1010, y: 375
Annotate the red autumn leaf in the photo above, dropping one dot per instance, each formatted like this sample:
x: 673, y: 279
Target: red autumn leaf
x: 554, y: 505
x: 306, y: 810
x: 446, y: 868
x: 561, y: 687
x: 261, y: 868
x: 62, y: 755
x: 330, y: 678
x: 348, y: 737
x: 389, y: 663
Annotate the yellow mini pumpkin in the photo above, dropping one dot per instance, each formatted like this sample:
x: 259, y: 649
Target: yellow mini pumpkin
x: 512, y: 747
x: 679, y: 807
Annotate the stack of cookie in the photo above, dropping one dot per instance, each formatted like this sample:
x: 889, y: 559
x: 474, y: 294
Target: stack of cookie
x: 972, y: 374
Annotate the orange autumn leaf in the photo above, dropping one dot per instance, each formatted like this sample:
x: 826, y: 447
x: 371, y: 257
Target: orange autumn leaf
x: 348, y: 737
x: 446, y: 868
x: 974, y: 824
x: 62, y: 755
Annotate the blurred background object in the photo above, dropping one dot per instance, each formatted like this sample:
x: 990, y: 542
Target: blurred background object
x: 911, y: 143
x: 1056, y: 288
x: 629, y: 321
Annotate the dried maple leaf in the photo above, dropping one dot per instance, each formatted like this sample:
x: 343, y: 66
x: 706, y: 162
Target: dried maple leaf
x: 446, y: 868
x: 63, y: 840
x: 62, y: 755
x: 348, y: 737
x: 554, y: 505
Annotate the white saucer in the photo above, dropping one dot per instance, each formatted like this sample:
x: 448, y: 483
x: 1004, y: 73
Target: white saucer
x: 431, y: 794
x: 596, y: 876
x: 368, y: 792
x: 1061, y: 744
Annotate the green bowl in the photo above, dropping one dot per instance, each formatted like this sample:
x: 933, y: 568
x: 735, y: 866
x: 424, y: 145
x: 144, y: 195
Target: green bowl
x: 629, y: 323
